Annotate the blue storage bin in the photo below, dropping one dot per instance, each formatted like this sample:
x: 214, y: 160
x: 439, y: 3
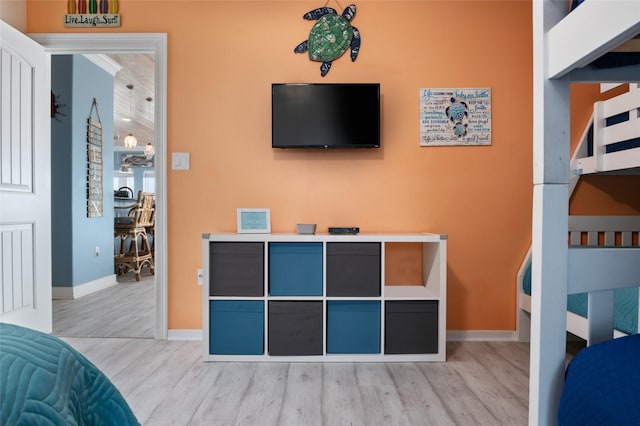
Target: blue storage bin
x: 353, y: 327
x: 236, y: 327
x: 295, y: 269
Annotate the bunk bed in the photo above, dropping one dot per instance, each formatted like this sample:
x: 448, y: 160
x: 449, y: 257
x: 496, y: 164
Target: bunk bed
x: 609, y: 144
x: 568, y: 47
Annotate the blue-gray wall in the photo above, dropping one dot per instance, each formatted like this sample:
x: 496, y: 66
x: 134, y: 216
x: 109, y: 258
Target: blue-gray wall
x: 75, y: 236
x: 62, y: 260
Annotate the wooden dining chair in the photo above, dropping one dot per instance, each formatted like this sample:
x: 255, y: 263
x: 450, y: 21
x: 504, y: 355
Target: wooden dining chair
x: 135, y: 250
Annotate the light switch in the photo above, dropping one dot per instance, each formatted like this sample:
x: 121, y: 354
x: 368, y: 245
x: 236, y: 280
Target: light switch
x: 180, y: 161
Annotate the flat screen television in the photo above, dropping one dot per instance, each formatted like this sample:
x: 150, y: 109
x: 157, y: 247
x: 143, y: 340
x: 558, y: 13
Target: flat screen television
x: 325, y: 115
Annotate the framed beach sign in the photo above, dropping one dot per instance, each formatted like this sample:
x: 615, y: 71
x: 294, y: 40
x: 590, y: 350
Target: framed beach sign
x: 455, y: 117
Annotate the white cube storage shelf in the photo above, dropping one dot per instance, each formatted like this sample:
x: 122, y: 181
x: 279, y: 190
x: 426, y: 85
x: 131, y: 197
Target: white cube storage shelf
x: 321, y: 298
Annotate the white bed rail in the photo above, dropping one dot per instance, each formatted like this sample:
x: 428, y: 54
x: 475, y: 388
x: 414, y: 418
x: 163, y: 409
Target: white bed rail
x: 604, y: 255
x: 599, y: 271
x: 605, y: 136
x: 591, y: 30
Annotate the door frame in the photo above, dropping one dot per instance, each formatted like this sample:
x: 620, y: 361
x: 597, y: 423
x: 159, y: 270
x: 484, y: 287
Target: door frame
x: 155, y: 43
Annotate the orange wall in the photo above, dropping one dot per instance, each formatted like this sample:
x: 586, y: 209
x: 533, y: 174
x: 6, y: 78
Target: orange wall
x: 223, y: 57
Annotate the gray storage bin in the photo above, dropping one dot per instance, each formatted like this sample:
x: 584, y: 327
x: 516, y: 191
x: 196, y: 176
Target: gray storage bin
x: 411, y: 327
x: 353, y: 269
x: 295, y: 328
x: 236, y: 269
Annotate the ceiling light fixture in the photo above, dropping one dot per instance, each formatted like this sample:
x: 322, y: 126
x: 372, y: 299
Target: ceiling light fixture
x: 130, y: 141
x: 130, y: 87
x: 149, y: 149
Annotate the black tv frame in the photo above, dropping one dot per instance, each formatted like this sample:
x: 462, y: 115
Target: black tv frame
x: 306, y: 119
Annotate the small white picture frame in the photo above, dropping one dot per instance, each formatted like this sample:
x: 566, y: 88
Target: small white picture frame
x: 254, y: 221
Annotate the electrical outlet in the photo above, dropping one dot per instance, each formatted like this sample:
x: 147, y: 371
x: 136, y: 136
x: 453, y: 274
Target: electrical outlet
x: 200, y: 277
x: 97, y: 250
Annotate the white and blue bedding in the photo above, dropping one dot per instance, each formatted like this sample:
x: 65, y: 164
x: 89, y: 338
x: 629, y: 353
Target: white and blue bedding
x: 625, y: 300
x: 602, y: 385
x: 44, y: 381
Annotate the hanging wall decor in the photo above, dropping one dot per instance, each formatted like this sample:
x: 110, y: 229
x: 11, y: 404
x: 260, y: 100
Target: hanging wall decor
x: 331, y: 36
x: 56, y: 107
x: 95, y: 166
x: 92, y: 13
x: 455, y: 117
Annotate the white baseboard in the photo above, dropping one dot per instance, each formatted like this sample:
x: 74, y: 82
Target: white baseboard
x: 481, y: 336
x: 184, y: 334
x: 74, y: 292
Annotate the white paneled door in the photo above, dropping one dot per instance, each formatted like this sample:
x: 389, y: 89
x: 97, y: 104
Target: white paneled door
x: 25, y: 181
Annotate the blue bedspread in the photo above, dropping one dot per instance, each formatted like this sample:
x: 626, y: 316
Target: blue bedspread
x: 44, y: 381
x: 602, y: 385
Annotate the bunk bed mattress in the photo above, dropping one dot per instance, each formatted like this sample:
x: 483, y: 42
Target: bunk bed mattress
x: 45, y: 381
x: 626, y: 305
x: 602, y: 385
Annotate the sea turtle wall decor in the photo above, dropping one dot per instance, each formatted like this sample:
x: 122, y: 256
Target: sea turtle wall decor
x: 457, y: 112
x: 331, y: 36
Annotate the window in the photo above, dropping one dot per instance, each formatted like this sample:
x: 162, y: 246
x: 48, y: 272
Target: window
x: 149, y: 181
x: 121, y: 179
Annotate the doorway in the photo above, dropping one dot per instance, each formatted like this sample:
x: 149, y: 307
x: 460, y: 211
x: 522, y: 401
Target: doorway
x: 156, y: 44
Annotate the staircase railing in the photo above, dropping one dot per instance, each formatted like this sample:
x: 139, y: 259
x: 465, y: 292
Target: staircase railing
x: 612, y: 139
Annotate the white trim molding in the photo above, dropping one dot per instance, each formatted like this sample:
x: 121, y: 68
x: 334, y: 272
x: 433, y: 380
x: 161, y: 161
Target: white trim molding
x: 481, y: 336
x: 84, y: 289
x: 188, y: 335
x: 105, y: 63
x: 155, y: 43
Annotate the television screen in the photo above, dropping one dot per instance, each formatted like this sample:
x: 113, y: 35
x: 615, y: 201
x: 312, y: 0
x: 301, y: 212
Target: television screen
x: 321, y: 115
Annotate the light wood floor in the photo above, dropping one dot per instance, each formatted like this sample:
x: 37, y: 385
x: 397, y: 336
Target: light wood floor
x: 124, y: 310
x: 167, y: 383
